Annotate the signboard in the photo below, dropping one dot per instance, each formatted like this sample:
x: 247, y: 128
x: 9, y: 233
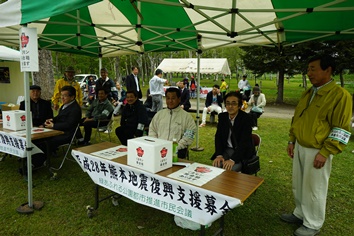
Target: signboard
x: 28, y: 49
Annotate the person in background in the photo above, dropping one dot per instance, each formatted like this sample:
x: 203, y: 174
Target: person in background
x: 100, y: 111
x: 320, y: 128
x: 245, y: 88
x: 68, y: 80
x: 40, y: 108
x: 132, y: 82
x: 193, y: 88
x: 258, y: 102
x: 107, y: 84
x: 134, y: 118
x: 90, y: 88
x: 68, y: 118
x: 148, y: 101
x: 223, y: 88
x: 174, y: 123
x: 185, y: 103
x: 121, y: 99
x: 186, y: 82
x: 233, y: 138
x: 212, y: 103
x: 156, y: 90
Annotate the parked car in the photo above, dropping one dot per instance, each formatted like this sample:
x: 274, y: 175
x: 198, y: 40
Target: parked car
x: 83, y: 78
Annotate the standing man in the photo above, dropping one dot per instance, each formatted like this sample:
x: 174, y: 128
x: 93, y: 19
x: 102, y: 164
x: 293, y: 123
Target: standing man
x: 156, y: 90
x: 68, y: 80
x: 132, y: 82
x: 107, y: 84
x: 185, y: 103
x: 320, y: 128
x: 40, y: 108
x: 245, y: 87
x: 212, y: 103
x: 174, y: 123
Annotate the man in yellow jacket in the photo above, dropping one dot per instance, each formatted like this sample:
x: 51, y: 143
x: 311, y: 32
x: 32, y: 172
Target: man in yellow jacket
x: 68, y: 80
x: 320, y: 128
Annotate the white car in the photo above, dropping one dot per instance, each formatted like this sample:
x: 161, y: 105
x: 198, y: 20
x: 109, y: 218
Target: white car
x: 83, y: 78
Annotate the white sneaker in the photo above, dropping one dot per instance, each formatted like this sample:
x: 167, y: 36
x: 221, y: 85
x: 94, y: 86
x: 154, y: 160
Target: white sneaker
x: 107, y: 131
x: 255, y: 128
x: 102, y: 130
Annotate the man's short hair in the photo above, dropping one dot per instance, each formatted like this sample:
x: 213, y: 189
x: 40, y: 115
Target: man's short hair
x: 216, y: 86
x: 325, y: 61
x: 104, y: 69
x: 35, y: 87
x: 173, y: 90
x: 158, y: 71
x: 237, y: 94
x: 133, y: 67
x: 71, y: 90
x: 244, y: 76
x: 133, y: 92
x: 104, y: 89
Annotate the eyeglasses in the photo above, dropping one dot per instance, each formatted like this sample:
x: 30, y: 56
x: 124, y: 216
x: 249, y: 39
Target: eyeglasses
x: 65, y: 95
x: 232, y: 104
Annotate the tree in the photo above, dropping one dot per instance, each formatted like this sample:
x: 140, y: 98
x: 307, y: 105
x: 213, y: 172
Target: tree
x: 45, y: 76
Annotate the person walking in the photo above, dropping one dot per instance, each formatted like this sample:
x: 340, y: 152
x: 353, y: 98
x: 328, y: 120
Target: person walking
x: 320, y: 128
x: 156, y: 90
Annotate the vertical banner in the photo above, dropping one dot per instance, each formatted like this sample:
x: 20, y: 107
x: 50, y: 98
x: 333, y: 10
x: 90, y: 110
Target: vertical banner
x: 28, y: 49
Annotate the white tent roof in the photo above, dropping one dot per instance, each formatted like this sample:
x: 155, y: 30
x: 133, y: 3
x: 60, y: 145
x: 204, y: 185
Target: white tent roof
x: 8, y: 54
x: 189, y: 65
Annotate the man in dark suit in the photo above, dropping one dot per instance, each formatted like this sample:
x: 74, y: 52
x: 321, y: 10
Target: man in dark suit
x: 212, y: 103
x: 40, y: 108
x: 67, y: 120
x: 233, y: 138
x: 185, y: 103
x: 132, y: 82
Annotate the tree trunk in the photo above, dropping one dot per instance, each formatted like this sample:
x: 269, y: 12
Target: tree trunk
x: 304, y: 81
x: 280, y: 94
x: 45, y: 76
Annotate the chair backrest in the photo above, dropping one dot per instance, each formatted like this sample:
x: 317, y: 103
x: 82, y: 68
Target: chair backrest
x: 257, y: 142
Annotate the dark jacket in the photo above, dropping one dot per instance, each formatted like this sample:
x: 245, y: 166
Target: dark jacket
x: 209, y: 99
x: 67, y: 120
x: 185, y: 99
x: 108, y: 86
x: 242, y: 128
x: 131, y: 85
x: 41, y: 111
x: 132, y: 115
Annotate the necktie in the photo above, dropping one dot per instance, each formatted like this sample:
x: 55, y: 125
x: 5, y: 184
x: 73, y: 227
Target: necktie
x: 232, y: 136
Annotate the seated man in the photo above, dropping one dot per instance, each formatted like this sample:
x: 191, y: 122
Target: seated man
x: 134, y: 118
x: 40, y: 108
x: 212, y: 103
x: 100, y: 109
x: 67, y: 119
x: 185, y: 103
x: 174, y: 123
x: 233, y: 138
x: 258, y: 102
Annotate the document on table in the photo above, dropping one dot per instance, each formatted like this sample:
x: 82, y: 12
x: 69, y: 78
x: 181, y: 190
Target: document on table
x: 112, y: 153
x: 197, y: 174
x: 35, y: 130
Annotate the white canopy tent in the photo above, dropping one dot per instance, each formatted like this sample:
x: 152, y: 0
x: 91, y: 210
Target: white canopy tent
x: 9, y: 54
x: 189, y: 65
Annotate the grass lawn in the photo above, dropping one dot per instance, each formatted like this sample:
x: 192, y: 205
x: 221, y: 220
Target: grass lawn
x: 65, y: 199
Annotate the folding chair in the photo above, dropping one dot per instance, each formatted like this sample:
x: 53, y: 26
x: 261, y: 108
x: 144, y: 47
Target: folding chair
x: 257, y: 144
x: 68, y: 145
x: 108, y: 128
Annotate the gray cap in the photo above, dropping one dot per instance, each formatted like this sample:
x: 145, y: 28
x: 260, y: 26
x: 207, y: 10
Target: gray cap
x: 70, y: 69
x: 256, y: 89
x: 35, y: 87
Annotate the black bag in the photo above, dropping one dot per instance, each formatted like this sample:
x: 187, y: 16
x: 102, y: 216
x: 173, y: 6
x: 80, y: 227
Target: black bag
x: 251, y: 166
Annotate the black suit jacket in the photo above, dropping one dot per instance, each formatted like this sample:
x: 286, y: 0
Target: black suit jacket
x: 67, y: 120
x: 185, y: 99
x: 41, y: 111
x: 131, y: 85
x: 209, y: 99
x: 242, y: 128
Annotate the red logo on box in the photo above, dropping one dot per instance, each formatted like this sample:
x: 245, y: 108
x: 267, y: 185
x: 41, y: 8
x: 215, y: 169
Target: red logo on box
x: 140, y: 152
x: 23, y: 118
x: 163, y: 152
x: 8, y: 118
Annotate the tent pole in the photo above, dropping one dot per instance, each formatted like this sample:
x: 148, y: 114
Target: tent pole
x: 197, y: 148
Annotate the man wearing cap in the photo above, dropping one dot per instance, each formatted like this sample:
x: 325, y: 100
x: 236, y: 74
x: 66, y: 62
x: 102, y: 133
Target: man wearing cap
x: 40, y: 108
x: 107, y: 84
x: 156, y: 90
x: 132, y: 82
x: 258, y: 102
x: 70, y: 81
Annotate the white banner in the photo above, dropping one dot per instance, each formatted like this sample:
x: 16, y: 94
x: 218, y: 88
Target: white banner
x: 15, y: 145
x: 28, y: 49
x: 178, y: 198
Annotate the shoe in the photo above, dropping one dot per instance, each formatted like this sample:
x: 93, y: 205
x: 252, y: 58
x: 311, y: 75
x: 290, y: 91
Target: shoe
x: 202, y: 125
x: 107, y: 131
x: 304, y: 231
x: 83, y: 143
x: 291, y: 218
x: 255, y: 128
x: 352, y: 151
x: 101, y: 130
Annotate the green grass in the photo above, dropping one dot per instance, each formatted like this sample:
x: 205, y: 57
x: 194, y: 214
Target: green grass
x: 65, y: 199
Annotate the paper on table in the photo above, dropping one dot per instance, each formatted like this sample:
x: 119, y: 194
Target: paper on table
x: 112, y: 153
x: 35, y: 130
x: 197, y: 174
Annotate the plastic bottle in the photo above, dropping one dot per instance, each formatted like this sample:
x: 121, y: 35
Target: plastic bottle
x: 174, y: 151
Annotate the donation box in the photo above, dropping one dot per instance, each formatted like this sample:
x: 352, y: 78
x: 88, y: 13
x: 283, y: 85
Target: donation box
x: 150, y: 154
x: 14, y: 120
